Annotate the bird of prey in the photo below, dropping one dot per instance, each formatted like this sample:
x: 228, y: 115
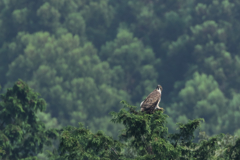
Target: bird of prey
x: 152, y: 100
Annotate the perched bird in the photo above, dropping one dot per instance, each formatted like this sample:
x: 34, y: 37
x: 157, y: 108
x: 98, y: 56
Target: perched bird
x: 152, y: 100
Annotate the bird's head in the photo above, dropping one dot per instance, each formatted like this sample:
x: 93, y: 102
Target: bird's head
x: 159, y: 87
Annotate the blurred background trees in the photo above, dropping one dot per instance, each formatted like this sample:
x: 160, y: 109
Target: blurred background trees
x: 85, y: 56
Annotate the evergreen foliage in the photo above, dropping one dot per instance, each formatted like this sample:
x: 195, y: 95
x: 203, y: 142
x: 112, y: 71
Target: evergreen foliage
x: 80, y: 143
x: 145, y: 136
x: 22, y: 135
x: 84, y: 56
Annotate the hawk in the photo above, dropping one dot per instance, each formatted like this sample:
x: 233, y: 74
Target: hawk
x: 152, y: 100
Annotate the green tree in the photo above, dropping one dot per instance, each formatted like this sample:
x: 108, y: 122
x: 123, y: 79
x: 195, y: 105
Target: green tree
x: 201, y: 97
x: 132, y: 64
x: 146, y: 136
x: 22, y: 135
x: 117, y: 46
x: 212, y: 51
x: 70, y: 75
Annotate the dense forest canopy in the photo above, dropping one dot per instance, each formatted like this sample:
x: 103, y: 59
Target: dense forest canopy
x: 24, y: 136
x: 85, y: 56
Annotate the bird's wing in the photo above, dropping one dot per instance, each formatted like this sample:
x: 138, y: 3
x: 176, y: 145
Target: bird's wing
x: 151, y: 100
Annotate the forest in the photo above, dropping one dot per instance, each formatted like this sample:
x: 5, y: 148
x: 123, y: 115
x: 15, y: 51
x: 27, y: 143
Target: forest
x: 81, y: 58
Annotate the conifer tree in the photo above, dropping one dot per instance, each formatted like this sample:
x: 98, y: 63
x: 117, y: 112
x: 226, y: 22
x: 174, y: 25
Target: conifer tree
x: 146, y: 136
x: 113, y: 49
x: 22, y: 135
